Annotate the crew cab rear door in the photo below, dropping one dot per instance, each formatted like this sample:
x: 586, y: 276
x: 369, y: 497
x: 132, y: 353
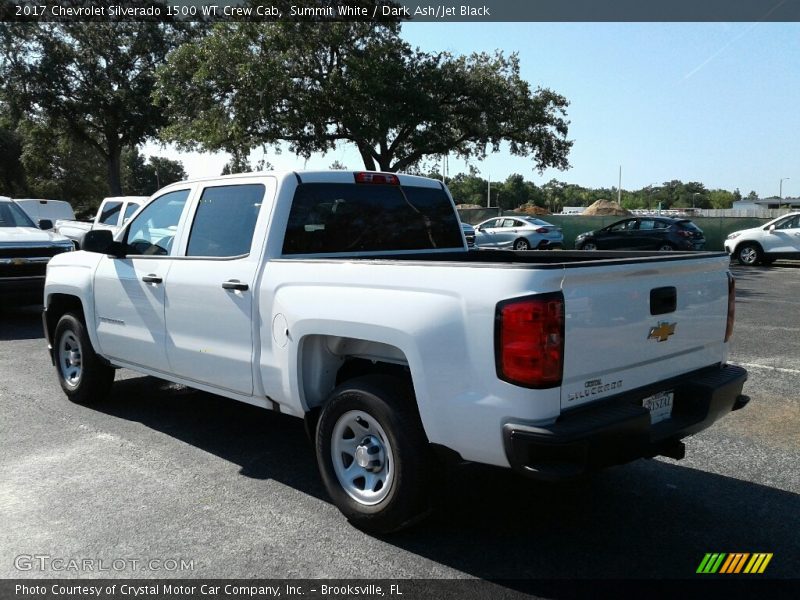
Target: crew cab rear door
x: 209, y: 292
x: 633, y: 322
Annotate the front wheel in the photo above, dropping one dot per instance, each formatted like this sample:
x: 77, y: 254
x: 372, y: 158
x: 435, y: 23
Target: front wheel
x: 588, y: 246
x: 522, y: 244
x: 665, y: 248
x: 84, y: 378
x: 372, y: 454
x: 748, y: 254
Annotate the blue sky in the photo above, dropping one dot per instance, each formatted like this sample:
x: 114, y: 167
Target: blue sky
x: 717, y: 103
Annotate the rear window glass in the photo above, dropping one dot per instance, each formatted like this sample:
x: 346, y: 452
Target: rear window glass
x: 342, y: 217
x: 689, y: 225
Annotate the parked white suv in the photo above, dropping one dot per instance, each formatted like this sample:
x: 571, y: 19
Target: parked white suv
x: 780, y: 238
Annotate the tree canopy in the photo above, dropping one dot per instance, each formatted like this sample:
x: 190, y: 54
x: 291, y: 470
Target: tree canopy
x: 92, y: 81
x: 262, y: 84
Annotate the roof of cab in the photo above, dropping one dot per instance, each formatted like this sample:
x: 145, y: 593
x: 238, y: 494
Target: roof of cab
x: 332, y: 176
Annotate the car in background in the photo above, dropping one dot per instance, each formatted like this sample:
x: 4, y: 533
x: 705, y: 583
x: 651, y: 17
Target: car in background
x: 519, y: 233
x: 780, y: 238
x: 51, y: 210
x: 644, y: 233
x: 112, y: 214
x: 469, y: 234
x: 25, y: 250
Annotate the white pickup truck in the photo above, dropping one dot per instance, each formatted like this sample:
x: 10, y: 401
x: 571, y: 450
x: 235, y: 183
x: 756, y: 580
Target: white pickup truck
x: 112, y: 214
x: 351, y: 300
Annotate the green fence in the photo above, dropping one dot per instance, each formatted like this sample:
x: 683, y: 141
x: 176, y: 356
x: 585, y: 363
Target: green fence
x: 716, y: 229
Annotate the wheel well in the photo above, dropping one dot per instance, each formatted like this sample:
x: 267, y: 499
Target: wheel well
x: 57, y: 306
x: 751, y: 242
x: 328, y: 361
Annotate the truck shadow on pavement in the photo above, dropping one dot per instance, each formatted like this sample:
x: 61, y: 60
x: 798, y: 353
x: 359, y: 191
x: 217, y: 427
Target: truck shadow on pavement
x: 21, y: 322
x: 648, y: 519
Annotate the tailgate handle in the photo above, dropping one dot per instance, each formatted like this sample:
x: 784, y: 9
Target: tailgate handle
x: 663, y: 300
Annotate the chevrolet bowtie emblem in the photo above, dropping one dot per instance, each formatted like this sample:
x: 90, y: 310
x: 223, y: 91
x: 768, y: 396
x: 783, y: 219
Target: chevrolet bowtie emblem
x: 19, y: 261
x: 662, y: 332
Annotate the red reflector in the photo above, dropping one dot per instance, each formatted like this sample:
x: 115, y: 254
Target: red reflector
x: 383, y: 178
x: 731, y: 306
x: 530, y: 341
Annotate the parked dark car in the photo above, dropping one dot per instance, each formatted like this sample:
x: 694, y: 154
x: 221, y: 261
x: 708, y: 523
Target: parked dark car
x: 644, y: 233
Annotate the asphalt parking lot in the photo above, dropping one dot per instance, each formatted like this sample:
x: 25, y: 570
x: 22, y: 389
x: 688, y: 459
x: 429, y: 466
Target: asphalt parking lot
x: 167, y: 473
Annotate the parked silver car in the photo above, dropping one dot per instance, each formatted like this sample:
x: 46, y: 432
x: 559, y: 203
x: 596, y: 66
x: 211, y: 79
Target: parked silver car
x: 469, y: 234
x: 519, y: 233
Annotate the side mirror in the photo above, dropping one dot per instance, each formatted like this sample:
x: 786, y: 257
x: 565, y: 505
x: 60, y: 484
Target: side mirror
x: 771, y: 229
x: 45, y: 224
x: 102, y: 241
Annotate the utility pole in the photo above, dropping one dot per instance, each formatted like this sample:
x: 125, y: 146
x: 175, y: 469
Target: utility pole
x: 780, y: 188
x: 488, y: 191
x: 619, y: 187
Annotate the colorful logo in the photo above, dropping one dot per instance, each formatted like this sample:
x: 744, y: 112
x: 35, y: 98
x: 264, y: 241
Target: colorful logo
x: 736, y: 562
x: 662, y: 332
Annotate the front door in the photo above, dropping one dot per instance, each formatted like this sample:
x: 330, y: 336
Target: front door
x: 129, y: 291
x: 785, y: 238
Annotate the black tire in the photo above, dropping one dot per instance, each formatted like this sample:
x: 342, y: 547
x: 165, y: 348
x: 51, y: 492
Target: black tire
x: 84, y: 378
x: 403, y: 456
x: 590, y: 245
x: 665, y: 247
x: 749, y: 254
x: 522, y: 244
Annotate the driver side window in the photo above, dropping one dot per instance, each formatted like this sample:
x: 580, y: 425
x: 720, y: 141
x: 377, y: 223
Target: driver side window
x: 791, y: 223
x: 152, y: 231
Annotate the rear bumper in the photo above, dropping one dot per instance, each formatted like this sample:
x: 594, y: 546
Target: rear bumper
x: 618, y: 430
x: 548, y: 245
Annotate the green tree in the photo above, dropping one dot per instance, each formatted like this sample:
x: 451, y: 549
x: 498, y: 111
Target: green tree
x: 143, y: 178
x: 60, y: 167
x: 248, y: 84
x: 93, y: 81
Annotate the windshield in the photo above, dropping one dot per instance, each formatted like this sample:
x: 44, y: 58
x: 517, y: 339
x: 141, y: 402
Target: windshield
x: 12, y: 215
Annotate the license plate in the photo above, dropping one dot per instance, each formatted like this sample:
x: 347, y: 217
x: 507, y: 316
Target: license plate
x: 659, y: 405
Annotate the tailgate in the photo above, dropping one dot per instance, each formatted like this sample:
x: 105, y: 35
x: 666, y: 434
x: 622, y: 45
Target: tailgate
x: 622, y: 332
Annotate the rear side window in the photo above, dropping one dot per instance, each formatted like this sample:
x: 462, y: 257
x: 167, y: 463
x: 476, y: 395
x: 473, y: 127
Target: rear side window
x: 341, y: 217
x: 110, y: 213
x: 225, y: 220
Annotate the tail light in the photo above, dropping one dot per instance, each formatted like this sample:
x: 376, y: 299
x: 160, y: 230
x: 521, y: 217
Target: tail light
x: 731, y: 306
x: 529, y: 340
x: 684, y: 233
x: 380, y: 178
x: 542, y: 230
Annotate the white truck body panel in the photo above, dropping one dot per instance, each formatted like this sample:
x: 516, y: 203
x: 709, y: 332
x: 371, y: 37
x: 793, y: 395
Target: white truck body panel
x: 280, y: 343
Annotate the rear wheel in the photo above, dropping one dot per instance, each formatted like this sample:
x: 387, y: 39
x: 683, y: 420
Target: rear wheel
x: 522, y: 244
x: 373, y: 455
x: 82, y: 375
x: 749, y: 254
x: 588, y: 246
x: 665, y: 247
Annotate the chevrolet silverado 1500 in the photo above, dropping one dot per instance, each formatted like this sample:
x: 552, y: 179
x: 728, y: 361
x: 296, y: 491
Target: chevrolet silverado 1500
x: 351, y: 300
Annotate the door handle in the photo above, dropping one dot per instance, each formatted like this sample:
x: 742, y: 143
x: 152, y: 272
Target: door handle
x: 235, y: 284
x: 151, y: 278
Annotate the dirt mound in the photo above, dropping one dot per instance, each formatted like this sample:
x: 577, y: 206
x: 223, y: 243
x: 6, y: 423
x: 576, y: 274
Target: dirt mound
x: 606, y: 207
x: 532, y: 209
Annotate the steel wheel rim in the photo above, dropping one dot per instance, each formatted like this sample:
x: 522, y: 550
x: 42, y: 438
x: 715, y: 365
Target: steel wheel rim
x: 748, y: 255
x: 362, y: 457
x: 70, y: 359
